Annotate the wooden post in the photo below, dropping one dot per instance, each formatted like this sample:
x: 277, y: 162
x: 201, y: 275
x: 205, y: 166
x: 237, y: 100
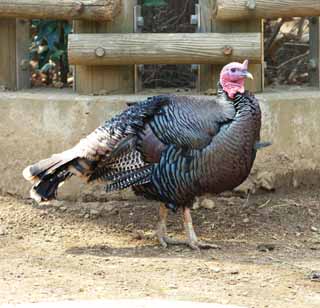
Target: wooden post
x: 8, y: 54
x: 314, y: 61
x: 22, y: 53
x: 107, y: 79
x: 205, y: 72
x: 138, y: 24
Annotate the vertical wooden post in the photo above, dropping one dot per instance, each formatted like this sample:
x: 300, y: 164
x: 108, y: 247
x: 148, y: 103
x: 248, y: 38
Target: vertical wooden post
x: 107, y: 79
x: 205, y: 71
x: 8, y: 53
x: 314, y: 61
x: 14, y: 54
x: 22, y: 53
x: 138, y: 67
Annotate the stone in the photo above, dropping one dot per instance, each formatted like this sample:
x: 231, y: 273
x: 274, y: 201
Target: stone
x: 207, y: 204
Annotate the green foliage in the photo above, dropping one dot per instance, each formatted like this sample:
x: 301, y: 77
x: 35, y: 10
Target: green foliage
x: 154, y: 2
x: 50, y: 43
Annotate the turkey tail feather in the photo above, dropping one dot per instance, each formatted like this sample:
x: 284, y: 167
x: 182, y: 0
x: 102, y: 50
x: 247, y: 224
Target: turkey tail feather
x: 47, y: 174
x: 46, y: 188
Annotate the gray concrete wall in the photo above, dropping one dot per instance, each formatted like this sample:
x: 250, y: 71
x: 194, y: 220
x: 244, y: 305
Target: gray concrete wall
x: 35, y: 125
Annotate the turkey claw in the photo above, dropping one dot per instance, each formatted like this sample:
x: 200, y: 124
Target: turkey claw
x: 165, y: 240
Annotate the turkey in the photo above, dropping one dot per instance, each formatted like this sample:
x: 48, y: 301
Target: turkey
x: 167, y: 148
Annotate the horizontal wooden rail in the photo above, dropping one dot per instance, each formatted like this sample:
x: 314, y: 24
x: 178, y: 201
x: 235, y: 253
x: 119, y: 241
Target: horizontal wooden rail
x: 104, y: 10
x: 246, y: 9
x: 163, y: 48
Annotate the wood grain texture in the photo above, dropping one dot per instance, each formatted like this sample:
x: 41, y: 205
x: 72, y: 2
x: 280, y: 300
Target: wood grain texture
x: 238, y: 10
x: 205, y: 72
x: 164, y: 48
x: 23, y: 42
x: 8, y: 54
x: 105, y: 10
x: 106, y: 79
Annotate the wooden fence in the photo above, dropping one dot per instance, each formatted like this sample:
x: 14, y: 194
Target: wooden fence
x: 106, y: 53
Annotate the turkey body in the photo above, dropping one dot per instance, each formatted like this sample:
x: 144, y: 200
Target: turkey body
x: 167, y: 148
x: 213, y: 157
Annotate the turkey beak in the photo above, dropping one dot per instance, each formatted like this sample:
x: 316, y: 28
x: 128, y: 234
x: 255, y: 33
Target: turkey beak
x: 247, y: 74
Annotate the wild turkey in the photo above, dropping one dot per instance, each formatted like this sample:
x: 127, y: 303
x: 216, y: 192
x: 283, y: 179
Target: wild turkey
x: 168, y: 148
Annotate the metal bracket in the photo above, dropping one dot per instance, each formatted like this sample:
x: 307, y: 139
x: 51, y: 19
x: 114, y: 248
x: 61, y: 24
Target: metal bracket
x: 251, y: 4
x: 195, y: 19
x: 138, y: 19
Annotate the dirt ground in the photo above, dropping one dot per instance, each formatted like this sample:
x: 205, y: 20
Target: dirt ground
x: 268, y: 257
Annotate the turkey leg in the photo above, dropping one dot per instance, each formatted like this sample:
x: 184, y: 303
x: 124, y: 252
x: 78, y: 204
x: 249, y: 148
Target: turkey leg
x: 192, y: 240
x: 161, y: 232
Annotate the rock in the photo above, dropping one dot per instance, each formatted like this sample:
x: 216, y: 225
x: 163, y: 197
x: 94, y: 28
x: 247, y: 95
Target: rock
x: 265, y: 247
x: 3, y: 230
x: 196, y: 205
x: 314, y: 276
x: 246, y: 220
x: 216, y: 270
x: 207, y: 204
x: 313, y: 229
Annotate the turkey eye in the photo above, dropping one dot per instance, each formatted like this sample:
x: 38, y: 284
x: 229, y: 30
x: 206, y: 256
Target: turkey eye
x: 233, y: 70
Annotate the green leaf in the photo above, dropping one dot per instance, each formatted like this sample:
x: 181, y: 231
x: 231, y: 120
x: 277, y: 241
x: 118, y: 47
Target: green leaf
x: 154, y: 2
x: 56, y: 55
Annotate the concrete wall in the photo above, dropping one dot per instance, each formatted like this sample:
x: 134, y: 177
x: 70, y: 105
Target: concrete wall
x: 35, y: 125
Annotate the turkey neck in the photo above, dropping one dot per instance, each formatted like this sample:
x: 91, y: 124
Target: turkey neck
x: 227, y: 161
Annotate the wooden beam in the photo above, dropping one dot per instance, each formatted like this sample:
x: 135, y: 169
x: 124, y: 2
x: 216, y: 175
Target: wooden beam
x: 314, y: 61
x: 164, y: 48
x: 246, y: 9
x: 104, y: 10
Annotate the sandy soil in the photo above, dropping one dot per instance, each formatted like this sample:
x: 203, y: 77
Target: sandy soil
x: 270, y: 248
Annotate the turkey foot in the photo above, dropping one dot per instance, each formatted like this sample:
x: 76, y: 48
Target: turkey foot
x: 161, y: 232
x: 192, y: 240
